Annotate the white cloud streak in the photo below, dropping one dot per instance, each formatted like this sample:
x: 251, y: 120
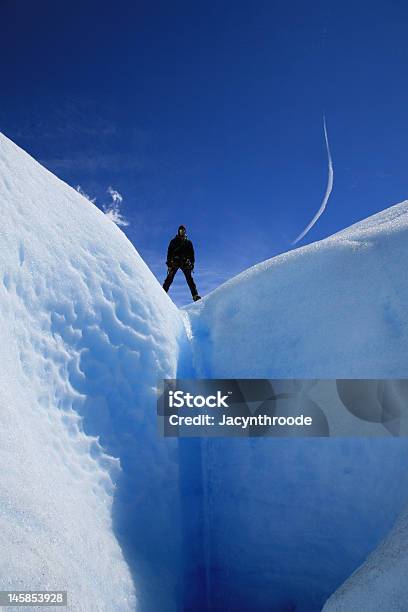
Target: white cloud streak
x: 111, y: 210
x: 115, y: 195
x: 82, y: 192
x: 328, y: 189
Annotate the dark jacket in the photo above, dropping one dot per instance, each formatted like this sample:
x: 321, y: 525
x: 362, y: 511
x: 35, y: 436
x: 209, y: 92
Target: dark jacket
x: 180, y: 249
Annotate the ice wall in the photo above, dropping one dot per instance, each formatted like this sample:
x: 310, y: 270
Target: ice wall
x: 289, y: 520
x: 331, y: 309
x: 381, y: 582
x: 86, y: 330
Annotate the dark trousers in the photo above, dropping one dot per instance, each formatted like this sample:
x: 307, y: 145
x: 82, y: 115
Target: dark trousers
x: 187, y: 273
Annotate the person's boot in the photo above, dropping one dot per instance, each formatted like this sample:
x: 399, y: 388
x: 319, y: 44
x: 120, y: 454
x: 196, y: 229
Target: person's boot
x: 196, y: 297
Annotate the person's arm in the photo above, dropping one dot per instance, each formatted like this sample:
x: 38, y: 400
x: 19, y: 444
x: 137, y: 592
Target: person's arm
x: 169, y: 253
x: 192, y: 256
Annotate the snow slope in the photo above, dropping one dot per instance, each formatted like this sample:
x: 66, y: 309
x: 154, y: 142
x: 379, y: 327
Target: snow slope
x: 381, y: 582
x: 331, y: 309
x: 290, y: 521
x: 85, y: 330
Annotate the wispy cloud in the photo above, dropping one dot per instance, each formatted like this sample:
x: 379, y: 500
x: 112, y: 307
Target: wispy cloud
x: 67, y: 118
x: 115, y: 195
x: 77, y: 134
x: 82, y: 192
x: 111, y: 209
x: 87, y: 162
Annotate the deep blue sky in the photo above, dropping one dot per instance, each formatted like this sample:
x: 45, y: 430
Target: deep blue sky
x: 210, y: 114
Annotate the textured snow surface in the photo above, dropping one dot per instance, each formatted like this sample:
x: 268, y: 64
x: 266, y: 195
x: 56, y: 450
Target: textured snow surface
x: 291, y: 521
x: 85, y: 330
x: 94, y: 501
x: 332, y: 309
x: 381, y: 583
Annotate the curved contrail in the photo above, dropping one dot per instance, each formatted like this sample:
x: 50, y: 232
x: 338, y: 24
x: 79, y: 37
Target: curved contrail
x: 328, y: 188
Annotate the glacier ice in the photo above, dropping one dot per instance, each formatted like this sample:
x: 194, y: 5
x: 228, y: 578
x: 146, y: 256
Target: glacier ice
x: 93, y: 500
x: 85, y: 332
x: 381, y: 582
x: 332, y: 309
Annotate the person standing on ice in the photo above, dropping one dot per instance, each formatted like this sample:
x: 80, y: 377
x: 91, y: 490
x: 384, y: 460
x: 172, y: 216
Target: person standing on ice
x: 180, y: 254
